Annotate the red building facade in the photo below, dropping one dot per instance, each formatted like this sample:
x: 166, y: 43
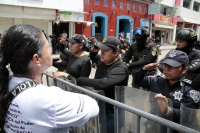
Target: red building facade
x: 120, y: 15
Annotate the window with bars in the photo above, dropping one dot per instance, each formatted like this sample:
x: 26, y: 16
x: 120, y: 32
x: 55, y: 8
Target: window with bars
x: 134, y: 8
x: 140, y: 9
x: 196, y: 6
x: 87, y: 1
x: 113, y: 3
x: 105, y: 2
x: 186, y: 3
x: 121, y: 5
x: 128, y: 7
x: 145, y: 10
x: 97, y: 1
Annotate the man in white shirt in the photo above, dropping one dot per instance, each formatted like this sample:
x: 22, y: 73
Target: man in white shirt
x: 64, y: 34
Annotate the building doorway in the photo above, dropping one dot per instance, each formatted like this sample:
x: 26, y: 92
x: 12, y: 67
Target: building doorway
x: 98, y: 30
x: 124, y: 25
x: 58, y: 29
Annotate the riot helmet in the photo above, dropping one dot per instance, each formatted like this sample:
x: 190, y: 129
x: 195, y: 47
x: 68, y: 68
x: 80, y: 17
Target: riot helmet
x: 188, y: 35
x: 142, y: 32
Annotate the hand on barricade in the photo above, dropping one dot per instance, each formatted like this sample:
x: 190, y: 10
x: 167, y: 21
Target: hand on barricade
x: 163, y: 104
x: 60, y: 74
x: 150, y: 66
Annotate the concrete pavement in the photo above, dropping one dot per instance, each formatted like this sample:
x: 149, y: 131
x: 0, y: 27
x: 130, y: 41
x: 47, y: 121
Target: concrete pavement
x: 167, y: 47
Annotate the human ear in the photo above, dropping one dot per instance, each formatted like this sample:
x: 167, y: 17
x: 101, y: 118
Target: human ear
x: 116, y: 53
x: 184, y: 70
x: 35, y: 59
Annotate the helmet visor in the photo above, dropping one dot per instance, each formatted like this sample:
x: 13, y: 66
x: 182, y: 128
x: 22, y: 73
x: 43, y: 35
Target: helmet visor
x: 138, y: 32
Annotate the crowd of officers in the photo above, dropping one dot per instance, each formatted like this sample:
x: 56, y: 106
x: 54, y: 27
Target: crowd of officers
x: 140, y: 59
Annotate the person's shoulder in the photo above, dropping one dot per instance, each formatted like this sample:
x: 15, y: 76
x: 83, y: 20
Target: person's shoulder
x: 187, y: 81
x: 134, y: 45
x: 47, y: 89
x: 120, y: 66
x: 195, y: 51
x: 85, y: 58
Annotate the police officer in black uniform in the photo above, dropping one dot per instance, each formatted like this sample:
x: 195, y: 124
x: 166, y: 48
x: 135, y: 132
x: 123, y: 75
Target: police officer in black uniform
x: 170, y: 85
x: 197, y: 45
x: 186, y: 40
x: 140, y: 52
x: 110, y: 72
x: 124, y: 48
x: 53, y: 42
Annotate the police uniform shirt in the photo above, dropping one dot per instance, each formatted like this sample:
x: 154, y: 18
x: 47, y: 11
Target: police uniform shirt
x: 196, y: 83
x: 77, y: 66
x: 140, y: 57
x: 106, y: 76
x: 180, y: 92
x: 194, y: 64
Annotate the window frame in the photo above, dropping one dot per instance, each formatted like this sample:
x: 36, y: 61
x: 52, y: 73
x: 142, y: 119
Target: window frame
x: 121, y: 5
x: 128, y: 6
x: 184, y: 1
x: 105, y: 3
x: 198, y: 4
x: 140, y: 8
x: 87, y: 1
x: 97, y: 1
x: 114, y: 4
x: 134, y: 8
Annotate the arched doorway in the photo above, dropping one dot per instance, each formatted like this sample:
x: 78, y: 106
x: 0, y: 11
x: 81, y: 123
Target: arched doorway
x: 125, y: 23
x: 100, y: 31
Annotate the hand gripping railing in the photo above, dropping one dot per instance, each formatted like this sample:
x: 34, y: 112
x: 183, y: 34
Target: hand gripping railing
x: 139, y: 113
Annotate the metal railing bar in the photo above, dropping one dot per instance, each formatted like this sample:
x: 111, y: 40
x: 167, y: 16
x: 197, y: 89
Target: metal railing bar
x: 117, y: 119
x: 138, y: 124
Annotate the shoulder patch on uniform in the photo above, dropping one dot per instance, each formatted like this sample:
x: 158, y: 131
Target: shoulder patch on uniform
x: 187, y: 81
x: 195, y: 95
x: 153, y: 51
x: 161, y: 75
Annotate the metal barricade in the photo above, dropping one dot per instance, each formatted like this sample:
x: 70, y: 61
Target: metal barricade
x: 97, y: 125
x: 143, y: 100
x: 190, y: 117
x: 90, y: 127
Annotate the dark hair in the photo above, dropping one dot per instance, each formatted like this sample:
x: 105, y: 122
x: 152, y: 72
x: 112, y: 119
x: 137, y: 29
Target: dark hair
x: 18, y: 46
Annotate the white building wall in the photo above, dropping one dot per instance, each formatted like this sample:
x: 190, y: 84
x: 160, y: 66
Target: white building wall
x: 73, y: 5
x: 167, y: 3
x: 39, y: 13
x: 189, y: 13
x: 5, y: 23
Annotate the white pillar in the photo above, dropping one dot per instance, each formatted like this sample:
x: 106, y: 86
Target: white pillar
x: 183, y: 26
x: 71, y: 29
x: 17, y: 21
x: 198, y: 32
x: 150, y: 32
x: 192, y: 26
x: 174, y: 33
x: 191, y: 4
x: 49, y: 31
